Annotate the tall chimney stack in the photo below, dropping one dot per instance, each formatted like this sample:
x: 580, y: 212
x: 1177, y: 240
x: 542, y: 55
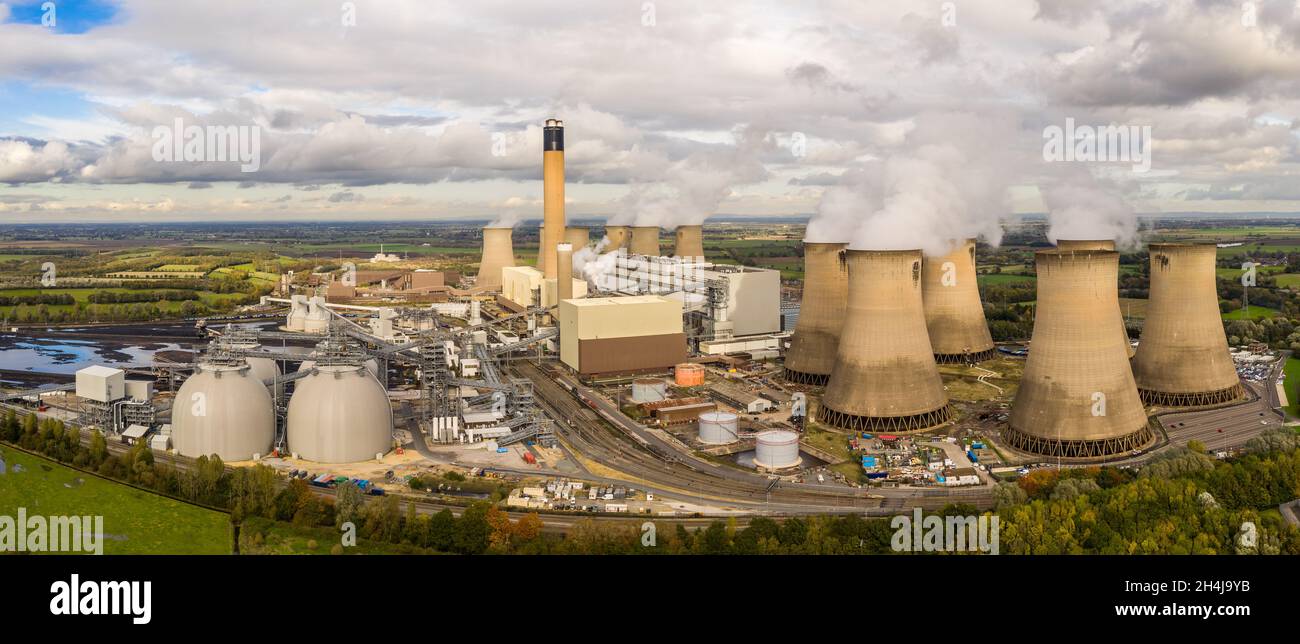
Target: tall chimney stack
x: 564, y: 272
x: 1183, y: 359
x: 1099, y: 244
x: 498, y: 253
x: 954, y: 314
x: 552, y: 194
x: 1077, y: 397
x: 579, y: 236
x: 645, y: 240
x: 885, y: 377
x: 618, y: 236
x: 821, y: 314
x: 690, y: 241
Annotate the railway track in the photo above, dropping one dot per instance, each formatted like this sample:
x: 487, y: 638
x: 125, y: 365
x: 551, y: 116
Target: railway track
x: 588, y: 427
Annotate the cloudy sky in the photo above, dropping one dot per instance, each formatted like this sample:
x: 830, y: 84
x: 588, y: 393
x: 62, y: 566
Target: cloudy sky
x: 674, y: 110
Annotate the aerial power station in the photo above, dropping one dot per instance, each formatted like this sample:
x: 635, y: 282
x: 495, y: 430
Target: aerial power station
x: 667, y: 366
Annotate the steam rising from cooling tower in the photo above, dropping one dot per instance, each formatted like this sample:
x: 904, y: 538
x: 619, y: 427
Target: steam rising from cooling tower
x: 821, y: 314
x: 552, y: 194
x: 645, y: 240
x: 947, y: 180
x: 1081, y: 206
x: 885, y: 377
x: 690, y: 241
x: 498, y: 253
x: 1183, y: 358
x: 954, y: 314
x: 1077, y: 397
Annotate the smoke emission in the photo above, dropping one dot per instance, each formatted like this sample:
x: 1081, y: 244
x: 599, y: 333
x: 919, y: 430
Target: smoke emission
x: 947, y: 182
x: 1082, y: 206
x: 687, y: 191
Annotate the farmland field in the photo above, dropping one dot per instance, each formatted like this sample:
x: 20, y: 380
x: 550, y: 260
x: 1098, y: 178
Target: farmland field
x: 135, y: 521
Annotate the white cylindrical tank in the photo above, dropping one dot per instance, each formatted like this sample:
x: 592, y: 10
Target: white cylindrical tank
x: 223, y: 410
x: 318, y: 317
x: 339, y: 414
x: 297, y: 313
x: 649, y: 390
x: 718, y: 428
x: 777, y: 449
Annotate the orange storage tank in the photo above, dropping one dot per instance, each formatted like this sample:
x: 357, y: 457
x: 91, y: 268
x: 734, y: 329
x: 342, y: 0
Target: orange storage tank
x: 688, y: 374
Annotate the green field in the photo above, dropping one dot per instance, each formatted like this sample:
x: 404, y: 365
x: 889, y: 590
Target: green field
x: 1005, y: 278
x: 260, y: 536
x: 136, y: 522
x: 1292, y: 370
x: 1256, y: 312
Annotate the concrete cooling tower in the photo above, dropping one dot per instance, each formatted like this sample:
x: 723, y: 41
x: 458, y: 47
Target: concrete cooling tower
x: 885, y: 377
x: 690, y: 241
x: 339, y: 414
x: 618, y: 237
x: 498, y: 253
x: 954, y: 313
x: 1077, y: 397
x: 821, y: 314
x: 222, y: 409
x: 645, y: 241
x: 1183, y: 358
x: 1098, y: 244
x: 578, y: 236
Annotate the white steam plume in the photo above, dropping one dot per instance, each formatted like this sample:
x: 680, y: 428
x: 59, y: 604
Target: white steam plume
x: 1082, y: 206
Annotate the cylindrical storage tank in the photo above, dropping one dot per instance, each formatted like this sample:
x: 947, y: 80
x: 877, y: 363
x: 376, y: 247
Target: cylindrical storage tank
x: 339, y: 414
x: 718, y: 428
x: 1100, y: 244
x: 223, y: 410
x: 885, y: 377
x: 578, y: 236
x: 1077, y: 397
x: 645, y: 240
x: 821, y: 314
x: 776, y: 450
x: 649, y: 390
x: 618, y: 237
x: 318, y: 317
x: 688, y: 374
x: 690, y: 241
x: 1183, y: 358
x: 297, y: 313
x: 954, y: 314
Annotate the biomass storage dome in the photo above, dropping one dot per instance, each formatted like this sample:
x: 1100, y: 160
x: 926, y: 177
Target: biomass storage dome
x: 1077, y: 397
x: 776, y: 450
x: 339, y: 414
x: 222, y: 409
x: 718, y: 428
x: 821, y: 314
x: 262, y: 369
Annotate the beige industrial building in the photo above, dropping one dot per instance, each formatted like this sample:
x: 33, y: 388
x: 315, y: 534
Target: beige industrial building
x: 885, y: 377
x: 621, y: 334
x: 753, y: 300
x: 954, y: 314
x: 1077, y: 397
x: 524, y: 286
x: 811, y: 355
x: 1183, y: 357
